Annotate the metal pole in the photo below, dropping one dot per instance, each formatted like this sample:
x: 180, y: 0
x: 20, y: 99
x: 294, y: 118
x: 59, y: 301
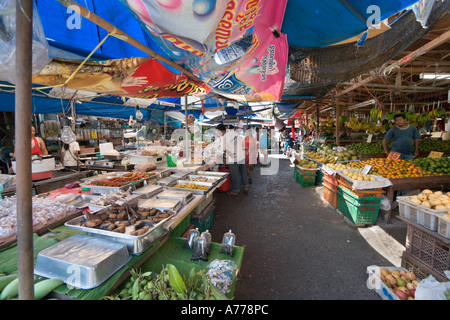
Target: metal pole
x: 186, y: 132
x: 24, y: 15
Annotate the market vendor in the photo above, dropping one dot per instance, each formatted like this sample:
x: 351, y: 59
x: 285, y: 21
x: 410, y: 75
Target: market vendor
x: 70, y: 155
x: 37, y: 144
x: 405, y: 138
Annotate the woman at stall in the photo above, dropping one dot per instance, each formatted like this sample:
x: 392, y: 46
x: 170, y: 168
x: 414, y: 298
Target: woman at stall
x: 37, y: 144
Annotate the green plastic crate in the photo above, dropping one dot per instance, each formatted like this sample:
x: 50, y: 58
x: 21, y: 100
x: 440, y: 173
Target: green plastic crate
x: 363, y: 214
x: 181, y: 228
x: 319, y: 177
x: 204, y: 223
x: 306, y: 180
x: 352, y: 198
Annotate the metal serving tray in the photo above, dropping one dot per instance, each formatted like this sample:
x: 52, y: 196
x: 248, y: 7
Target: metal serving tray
x: 213, y: 173
x: 84, y: 200
x: 183, y: 196
x: 82, y: 261
x: 167, y: 181
x: 161, y: 204
x: 194, y: 191
x: 216, y: 179
x: 135, y: 244
x: 148, y: 191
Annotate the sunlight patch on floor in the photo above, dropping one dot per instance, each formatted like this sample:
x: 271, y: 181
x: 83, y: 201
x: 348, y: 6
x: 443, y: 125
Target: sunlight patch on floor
x: 384, y: 244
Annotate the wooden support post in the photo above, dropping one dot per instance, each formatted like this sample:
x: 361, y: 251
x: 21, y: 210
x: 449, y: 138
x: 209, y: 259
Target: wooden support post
x: 338, y: 113
x: 318, y: 119
x: 24, y: 23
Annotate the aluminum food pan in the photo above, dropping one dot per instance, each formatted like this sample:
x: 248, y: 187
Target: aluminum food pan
x: 82, y: 261
x: 216, y: 179
x: 181, y: 195
x: 161, y: 204
x: 194, y: 191
x: 148, y: 191
x: 167, y: 181
x: 84, y: 200
x: 213, y: 173
x: 135, y: 244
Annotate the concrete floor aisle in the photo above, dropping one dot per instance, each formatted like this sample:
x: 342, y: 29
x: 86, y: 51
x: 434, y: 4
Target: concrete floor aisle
x: 296, y: 247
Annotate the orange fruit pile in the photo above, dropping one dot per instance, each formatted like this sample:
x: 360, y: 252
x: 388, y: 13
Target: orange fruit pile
x: 392, y: 169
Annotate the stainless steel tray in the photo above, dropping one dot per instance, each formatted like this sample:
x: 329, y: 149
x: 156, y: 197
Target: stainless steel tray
x: 160, y: 204
x: 183, y: 196
x: 84, y: 200
x: 167, y: 181
x: 148, y: 191
x: 213, y: 173
x: 194, y: 191
x: 135, y: 244
x: 210, y: 177
x: 82, y: 261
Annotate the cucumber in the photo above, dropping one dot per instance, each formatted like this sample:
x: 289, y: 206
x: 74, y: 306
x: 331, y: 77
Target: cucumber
x: 11, y: 290
x: 44, y: 287
x: 4, y: 280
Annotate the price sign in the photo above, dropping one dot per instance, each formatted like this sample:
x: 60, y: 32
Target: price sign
x: 369, y: 138
x: 367, y: 169
x: 435, y: 154
x: 394, y: 155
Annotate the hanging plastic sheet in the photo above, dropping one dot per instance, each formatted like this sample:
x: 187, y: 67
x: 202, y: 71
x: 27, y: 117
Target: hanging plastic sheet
x: 233, y: 46
x: 142, y: 77
x: 8, y: 41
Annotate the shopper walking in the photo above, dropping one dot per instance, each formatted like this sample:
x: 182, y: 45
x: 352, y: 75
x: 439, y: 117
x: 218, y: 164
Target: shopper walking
x: 235, y: 158
x: 251, y: 153
x: 263, y: 147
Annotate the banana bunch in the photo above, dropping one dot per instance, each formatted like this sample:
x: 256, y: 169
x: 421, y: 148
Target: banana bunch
x: 376, y: 113
x: 354, y: 124
x: 436, y: 113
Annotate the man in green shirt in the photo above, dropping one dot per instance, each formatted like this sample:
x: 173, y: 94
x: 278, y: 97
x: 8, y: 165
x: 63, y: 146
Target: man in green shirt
x: 405, y: 138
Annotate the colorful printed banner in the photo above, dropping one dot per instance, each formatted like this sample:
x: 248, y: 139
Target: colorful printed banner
x: 235, y: 47
x: 141, y: 77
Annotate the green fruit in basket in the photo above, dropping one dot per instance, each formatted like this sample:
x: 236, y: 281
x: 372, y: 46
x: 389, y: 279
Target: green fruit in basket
x: 401, y: 282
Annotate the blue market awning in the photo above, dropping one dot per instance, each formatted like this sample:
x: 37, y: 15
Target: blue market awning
x: 316, y: 24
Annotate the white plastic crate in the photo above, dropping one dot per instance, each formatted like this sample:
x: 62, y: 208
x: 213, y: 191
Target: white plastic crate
x: 428, y: 219
x: 444, y: 227
x: 407, y: 209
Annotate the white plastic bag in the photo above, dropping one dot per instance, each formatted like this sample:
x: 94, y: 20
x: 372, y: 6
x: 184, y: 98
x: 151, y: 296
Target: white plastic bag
x: 40, y: 56
x: 431, y: 289
x: 385, y: 203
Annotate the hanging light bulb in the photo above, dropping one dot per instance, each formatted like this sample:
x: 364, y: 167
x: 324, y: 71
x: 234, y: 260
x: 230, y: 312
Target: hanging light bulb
x: 67, y: 135
x: 139, y: 114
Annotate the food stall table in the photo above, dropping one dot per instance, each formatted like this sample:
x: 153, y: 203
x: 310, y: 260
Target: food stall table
x: 430, y: 182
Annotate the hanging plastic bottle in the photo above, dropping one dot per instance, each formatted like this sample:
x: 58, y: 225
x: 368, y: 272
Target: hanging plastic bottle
x: 228, y: 241
x: 199, y: 249
x: 207, y: 236
x: 189, y: 243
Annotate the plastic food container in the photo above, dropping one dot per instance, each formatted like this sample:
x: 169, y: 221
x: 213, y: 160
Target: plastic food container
x: 82, y: 261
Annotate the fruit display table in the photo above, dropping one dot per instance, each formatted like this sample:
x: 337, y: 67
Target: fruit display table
x: 403, y: 184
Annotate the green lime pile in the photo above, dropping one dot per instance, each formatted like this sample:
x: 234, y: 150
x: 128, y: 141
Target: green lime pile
x: 440, y: 166
x: 369, y: 147
x: 434, y: 145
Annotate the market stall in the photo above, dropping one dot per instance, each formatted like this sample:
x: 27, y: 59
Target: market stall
x: 90, y: 209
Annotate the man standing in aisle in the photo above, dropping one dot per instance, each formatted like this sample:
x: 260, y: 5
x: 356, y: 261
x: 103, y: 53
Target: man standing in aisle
x: 232, y: 144
x: 405, y: 138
